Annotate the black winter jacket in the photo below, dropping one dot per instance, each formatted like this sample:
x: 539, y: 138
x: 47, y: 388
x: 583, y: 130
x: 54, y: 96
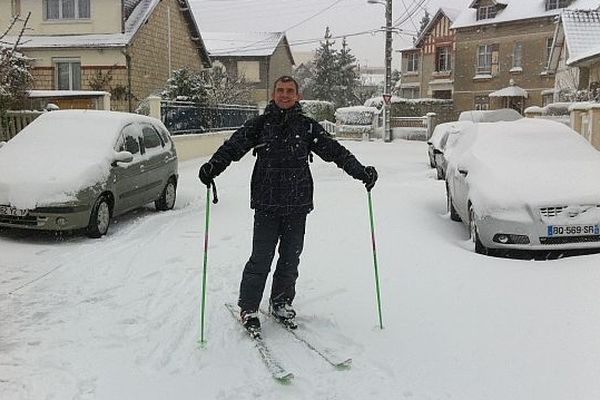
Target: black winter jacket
x: 282, y: 141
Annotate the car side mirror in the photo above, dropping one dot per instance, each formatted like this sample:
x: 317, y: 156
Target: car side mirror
x: 122, y: 156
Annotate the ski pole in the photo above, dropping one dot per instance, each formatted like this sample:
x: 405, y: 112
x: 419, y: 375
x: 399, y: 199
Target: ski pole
x: 375, y: 259
x: 207, y: 220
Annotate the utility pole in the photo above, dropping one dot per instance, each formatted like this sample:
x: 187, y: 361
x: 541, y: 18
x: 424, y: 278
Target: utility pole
x: 387, y: 91
x: 387, y: 135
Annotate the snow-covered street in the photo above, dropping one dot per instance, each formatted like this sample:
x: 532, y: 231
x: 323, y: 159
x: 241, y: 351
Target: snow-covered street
x: 119, y: 317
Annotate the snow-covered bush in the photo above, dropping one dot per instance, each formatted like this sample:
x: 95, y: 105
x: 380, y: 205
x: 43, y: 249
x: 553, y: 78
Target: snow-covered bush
x: 357, y: 115
x: 318, y: 109
x: 15, y: 78
x: 186, y: 85
x: 378, y: 101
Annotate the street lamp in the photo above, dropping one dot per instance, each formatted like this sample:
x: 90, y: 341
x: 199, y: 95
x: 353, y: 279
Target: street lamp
x: 387, y: 93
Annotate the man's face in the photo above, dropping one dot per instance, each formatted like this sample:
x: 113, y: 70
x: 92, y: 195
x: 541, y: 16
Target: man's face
x: 285, y: 95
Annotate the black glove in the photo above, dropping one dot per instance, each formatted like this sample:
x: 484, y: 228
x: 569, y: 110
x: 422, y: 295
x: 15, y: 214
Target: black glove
x: 206, y: 173
x: 369, y: 178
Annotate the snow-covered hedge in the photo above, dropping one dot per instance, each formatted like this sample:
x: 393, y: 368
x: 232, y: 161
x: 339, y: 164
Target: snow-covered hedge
x: 357, y: 115
x: 378, y: 101
x: 318, y: 109
x: 352, y: 131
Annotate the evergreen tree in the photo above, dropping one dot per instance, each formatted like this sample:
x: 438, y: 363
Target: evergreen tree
x: 305, y: 76
x: 326, y: 76
x: 188, y: 85
x: 422, y: 25
x: 226, y: 88
x: 347, y: 83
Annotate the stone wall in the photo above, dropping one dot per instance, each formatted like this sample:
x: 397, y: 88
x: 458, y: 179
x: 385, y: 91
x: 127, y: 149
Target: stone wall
x: 532, y: 33
x: 150, y: 51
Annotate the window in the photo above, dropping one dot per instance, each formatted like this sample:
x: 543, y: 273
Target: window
x: 482, y: 102
x: 549, y: 44
x: 66, y: 9
x: 486, y: 12
x: 443, y: 59
x: 409, y: 92
x: 412, y: 62
x: 250, y: 70
x: 484, y: 59
x: 151, y: 138
x: 130, y: 142
x: 68, y: 74
x: 15, y: 7
x: 518, y: 55
x: 556, y: 4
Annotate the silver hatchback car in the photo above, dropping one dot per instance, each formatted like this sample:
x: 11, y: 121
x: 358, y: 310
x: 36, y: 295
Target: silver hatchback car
x: 76, y: 169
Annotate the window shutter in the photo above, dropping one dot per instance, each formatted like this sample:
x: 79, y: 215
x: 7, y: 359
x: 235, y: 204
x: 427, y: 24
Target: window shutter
x: 495, y: 59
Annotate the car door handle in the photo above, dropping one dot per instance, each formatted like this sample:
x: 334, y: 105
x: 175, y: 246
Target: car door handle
x: 463, y: 172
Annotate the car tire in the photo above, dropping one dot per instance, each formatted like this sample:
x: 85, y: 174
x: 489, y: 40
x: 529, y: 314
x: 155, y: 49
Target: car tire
x: 166, y: 201
x: 99, y: 218
x: 479, y: 247
x: 453, y: 214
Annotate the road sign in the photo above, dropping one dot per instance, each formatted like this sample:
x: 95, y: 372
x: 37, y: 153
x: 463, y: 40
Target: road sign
x: 387, y: 98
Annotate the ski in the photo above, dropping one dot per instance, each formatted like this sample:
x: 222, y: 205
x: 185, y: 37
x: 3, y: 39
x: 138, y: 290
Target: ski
x: 273, y: 365
x: 311, y: 343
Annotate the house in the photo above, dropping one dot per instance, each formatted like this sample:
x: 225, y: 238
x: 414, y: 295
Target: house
x: 125, y: 47
x: 502, y: 51
x: 575, y: 56
x: 261, y: 57
x: 427, y: 67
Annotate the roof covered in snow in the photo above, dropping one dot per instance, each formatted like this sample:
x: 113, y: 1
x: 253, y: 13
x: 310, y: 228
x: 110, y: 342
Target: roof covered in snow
x: 243, y: 44
x: 510, y: 91
x: 581, y: 32
x: 136, y: 13
x: 516, y: 10
x: 450, y: 13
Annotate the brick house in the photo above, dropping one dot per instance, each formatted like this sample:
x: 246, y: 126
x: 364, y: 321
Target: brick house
x: 125, y: 47
x: 427, y: 67
x: 261, y: 57
x: 502, y: 52
x: 575, y: 56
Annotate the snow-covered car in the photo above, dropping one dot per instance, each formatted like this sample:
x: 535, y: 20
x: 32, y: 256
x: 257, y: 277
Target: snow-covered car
x: 502, y: 114
x: 526, y: 184
x: 76, y: 169
x: 441, y: 142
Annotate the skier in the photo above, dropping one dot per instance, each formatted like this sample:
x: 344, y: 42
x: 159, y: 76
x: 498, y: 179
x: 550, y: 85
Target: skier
x: 282, y: 140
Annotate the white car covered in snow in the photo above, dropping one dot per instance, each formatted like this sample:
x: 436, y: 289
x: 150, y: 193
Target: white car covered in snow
x: 76, y: 169
x: 526, y: 184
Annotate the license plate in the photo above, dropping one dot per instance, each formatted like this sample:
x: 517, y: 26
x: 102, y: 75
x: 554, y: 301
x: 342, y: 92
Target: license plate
x: 12, y: 211
x: 573, y: 230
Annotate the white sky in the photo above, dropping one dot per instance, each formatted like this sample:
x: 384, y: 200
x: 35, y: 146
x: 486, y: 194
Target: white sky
x: 344, y: 17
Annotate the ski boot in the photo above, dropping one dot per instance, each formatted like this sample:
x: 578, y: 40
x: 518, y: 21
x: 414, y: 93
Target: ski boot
x: 284, y: 313
x: 251, y: 322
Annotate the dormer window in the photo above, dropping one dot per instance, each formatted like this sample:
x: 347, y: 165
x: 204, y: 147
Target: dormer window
x: 556, y: 4
x: 486, y: 12
x: 66, y: 9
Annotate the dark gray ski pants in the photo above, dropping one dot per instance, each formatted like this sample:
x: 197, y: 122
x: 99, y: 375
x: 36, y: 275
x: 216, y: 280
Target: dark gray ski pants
x: 288, y: 230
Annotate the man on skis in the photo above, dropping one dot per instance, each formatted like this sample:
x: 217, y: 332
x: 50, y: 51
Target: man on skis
x: 282, y: 139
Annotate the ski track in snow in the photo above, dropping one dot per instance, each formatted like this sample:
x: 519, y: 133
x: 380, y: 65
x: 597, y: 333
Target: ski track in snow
x: 118, y: 317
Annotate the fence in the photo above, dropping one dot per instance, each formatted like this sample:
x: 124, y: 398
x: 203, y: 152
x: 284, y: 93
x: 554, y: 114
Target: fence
x: 14, y: 121
x: 182, y: 117
x: 329, y: 127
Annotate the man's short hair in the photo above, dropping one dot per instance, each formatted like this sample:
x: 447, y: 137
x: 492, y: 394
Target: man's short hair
x: 286, y: 78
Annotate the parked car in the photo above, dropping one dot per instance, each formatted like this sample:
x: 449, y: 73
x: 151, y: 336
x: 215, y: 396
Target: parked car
x: 525, y: 184
x: 502, y: 114
x: 442, y: 140
x: 76, y: 169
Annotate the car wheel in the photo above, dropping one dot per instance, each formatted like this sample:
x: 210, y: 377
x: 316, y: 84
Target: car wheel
x: 166, y: 201
x: 453, y: 214
x: 479, y: 247
x: 99, y: 219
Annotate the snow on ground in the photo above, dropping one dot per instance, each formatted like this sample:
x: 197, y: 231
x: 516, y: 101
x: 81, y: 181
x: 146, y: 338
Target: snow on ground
x: 118, y: 318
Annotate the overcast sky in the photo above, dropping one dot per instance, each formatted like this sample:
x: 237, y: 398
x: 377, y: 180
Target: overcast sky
x: 305, y: 21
